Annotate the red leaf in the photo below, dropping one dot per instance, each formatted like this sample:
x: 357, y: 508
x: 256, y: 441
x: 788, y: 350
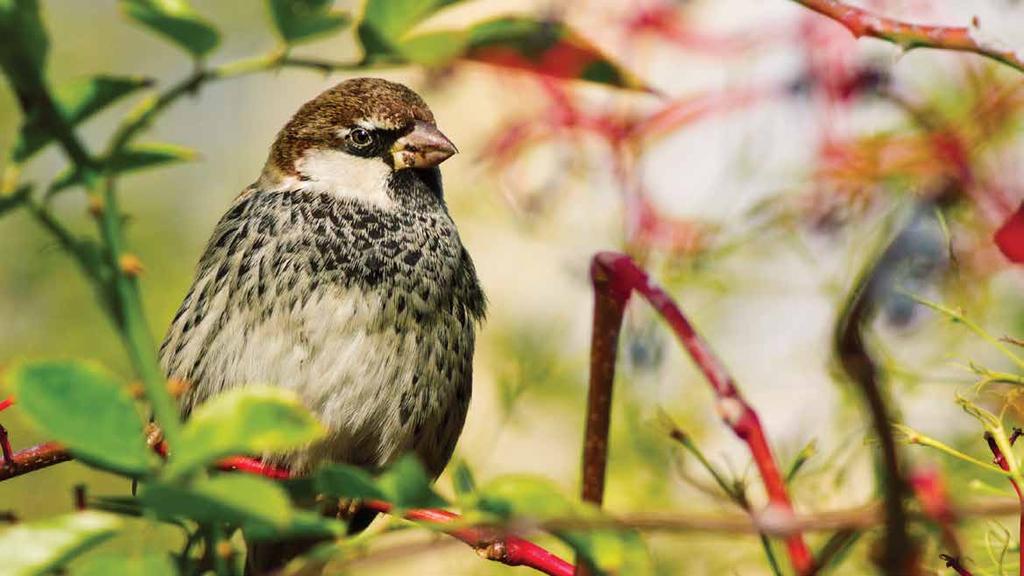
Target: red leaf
x: 1010, y: 237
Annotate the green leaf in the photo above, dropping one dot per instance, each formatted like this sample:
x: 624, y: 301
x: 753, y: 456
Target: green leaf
x: 177, y: 21
x: 40, y: 547
x: 462, y: 479
x: 137, y: 157
x: 303, y: 20
x: 24, y: 47
x: 385, y: 24
x: 406, y: 485
x: 238, y: 499
x: 85, y: 408
x: 608, y: 551
x: 303, y: 524
x: 343, y: 481
x: 250, y: 420
x: 78, y: 101
x: 152, y: 564
x: 433, y: 48
x: 549, y: 48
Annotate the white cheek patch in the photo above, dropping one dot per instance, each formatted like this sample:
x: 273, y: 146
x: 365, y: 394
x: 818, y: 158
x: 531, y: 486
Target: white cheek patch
x: 346, y: 176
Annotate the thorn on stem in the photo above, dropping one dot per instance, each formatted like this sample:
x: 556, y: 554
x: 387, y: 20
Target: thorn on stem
x: 1017, y: 433
x: 5, y: 447
x: 79, y: 497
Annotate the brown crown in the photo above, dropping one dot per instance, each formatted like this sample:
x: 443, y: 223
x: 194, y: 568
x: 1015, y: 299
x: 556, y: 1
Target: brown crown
x: 383, y: 104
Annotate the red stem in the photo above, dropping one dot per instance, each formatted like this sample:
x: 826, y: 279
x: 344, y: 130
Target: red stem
x: 861, y: 22
x: 490, y: 544
x: 1000, y: 461
x: 617, y: 275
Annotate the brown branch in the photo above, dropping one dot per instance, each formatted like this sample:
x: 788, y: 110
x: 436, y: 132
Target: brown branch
x: 956, y: 564
x: 615, y: 276
x: 861, y: 22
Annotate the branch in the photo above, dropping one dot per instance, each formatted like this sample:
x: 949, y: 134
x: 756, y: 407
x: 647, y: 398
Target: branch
x: 856, y: 361
x: 861, y: 22
x: 490, y: 543
x: 615, y: 276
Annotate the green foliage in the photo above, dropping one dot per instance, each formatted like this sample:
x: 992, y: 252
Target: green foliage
x: 82, y: 406
x: 176, y: 21
x: 607, y: 550
x: 387, y: 33
x: 134, y: 158
x: 77, y: 102
x: 300, y: 21
x: 234, y: 498
x: 41, y: 546
x: 343, y: 481
x: 250, y: 420
x: 14, y: 199
x: 406, y: 485
x: 154, y: 564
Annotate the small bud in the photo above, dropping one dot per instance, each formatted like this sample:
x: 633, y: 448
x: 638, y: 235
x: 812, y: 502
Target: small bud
x: 95, y: 206
x: 136, y: 389
x: 776, y: 519
x: 154, y: 435
x: 225, y: 549
x: 177, y: 387
x: 130, y: 264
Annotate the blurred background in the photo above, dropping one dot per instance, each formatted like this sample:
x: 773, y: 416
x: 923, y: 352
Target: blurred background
x: 765, y: 170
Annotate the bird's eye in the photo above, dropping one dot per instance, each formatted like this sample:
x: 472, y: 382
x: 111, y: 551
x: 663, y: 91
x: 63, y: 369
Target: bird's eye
x: 360, y: 137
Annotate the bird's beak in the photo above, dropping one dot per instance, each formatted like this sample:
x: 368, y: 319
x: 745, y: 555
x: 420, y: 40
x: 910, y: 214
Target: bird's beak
x: 424, y: 147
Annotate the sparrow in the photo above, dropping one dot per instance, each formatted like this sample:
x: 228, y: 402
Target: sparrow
x: 339, y: 274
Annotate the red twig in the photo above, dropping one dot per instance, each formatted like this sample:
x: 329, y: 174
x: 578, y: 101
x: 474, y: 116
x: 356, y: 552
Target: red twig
x: 1000, y: 460
x: 861, y: 22
x: 489, y: 544
x: 616, y: 276
x: 6, y: 403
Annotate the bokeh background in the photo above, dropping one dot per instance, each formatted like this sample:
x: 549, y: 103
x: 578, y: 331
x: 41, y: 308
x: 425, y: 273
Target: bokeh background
x: 780, y: 155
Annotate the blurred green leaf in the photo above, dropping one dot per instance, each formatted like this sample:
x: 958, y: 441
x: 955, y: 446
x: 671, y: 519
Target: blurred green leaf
x: 343, y: 481
x: 127, y: 565
x: 462, y: 479
x: 433, y: 48
x: 385, y: 23
x: 43, y: 545
x: 83, y: 407
x: 303, y: 524
x: 406, y: 485
x: 78, y: 101
x: 24, y: 46
x: 549, y: 48
x: 303, y: 20
x: 137, y: 157
x: 250, y: 420
x: 238, y: 499
x: 175, y: 20
x: 608, y: 551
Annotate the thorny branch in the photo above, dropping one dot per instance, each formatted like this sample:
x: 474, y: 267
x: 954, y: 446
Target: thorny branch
x: 862, y: 22
x: 615, y: 276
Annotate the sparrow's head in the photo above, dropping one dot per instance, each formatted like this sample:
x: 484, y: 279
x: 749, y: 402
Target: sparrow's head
x: 353, y: 139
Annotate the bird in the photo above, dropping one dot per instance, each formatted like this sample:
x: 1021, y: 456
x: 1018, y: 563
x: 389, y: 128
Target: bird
x: 340, y: 275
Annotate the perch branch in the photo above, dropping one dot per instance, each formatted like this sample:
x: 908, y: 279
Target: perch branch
x: 616, y: 276
x: 862, y: 22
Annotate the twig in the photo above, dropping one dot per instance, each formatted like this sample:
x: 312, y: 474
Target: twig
x: 617, y: 275
x: 899, y: 556
x: 1001, y: 460
x: 861, y: 22
x: 956, y: 564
